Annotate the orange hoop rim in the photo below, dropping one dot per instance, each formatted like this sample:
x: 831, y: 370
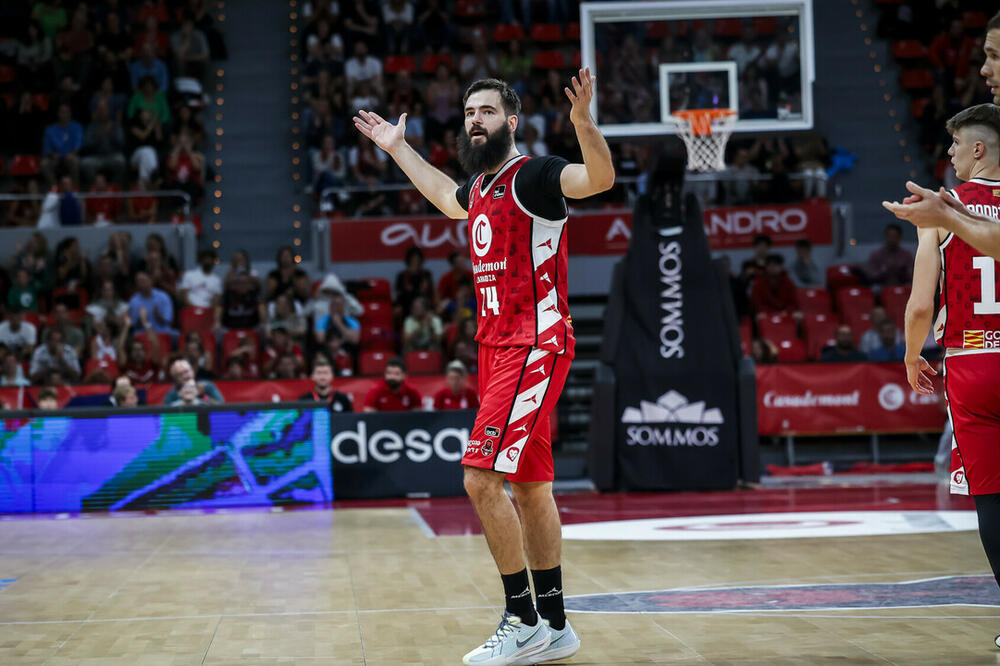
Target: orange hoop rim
x: 700, y: 120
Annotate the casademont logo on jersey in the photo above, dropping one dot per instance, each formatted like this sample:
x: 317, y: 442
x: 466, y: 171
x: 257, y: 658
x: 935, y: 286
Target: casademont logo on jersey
x: 981, y: 339
x: 672, y: 421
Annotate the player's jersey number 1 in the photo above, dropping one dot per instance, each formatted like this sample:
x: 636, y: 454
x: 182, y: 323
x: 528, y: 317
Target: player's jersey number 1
x: 489, y: 300
x: 988, y: 287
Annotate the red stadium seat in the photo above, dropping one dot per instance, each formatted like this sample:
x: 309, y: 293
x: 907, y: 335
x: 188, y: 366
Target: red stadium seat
x: 395, y: 64
x: 207, y: 341
x: 423, y: 362
x: 450, y: 334
x: 196, y: 319
x: 731, y: 27
x: 34, y: 319
x: 573, y: 32
x: 165, y: 343
x: 431, y: 62
x: 839, y: 276
x: 546, y: 32
x: 765, y: 25
x: 504, y: 33
x: 894, y: 301
x: 377, y: 313
x: 107, y: 365
x: 820, y: 331
x: 746, y: 335
x: 372, y: 363
x: 974, y: 20
x: 375, y: 289
x: 917, y: 79
x: 791, y: 351
x: 777, y: 327
x: 919, y: 106
x: 549, y: 60
x: 859, y: 323
x: 853, y: 301
x: 658, y: 30
x: 25, y: 165
x: 40, y: 101
x: 908, y: 49
x: 231, y: 340
x: 379, y: 338
x: 470, y: 8
x: 74, y: 299
x: 814, y: 300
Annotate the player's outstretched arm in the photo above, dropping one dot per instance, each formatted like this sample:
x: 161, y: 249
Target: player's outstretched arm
x: 597, y: 173
x: 926, y: 208
x: 920, y: 310
x: 434, y: 184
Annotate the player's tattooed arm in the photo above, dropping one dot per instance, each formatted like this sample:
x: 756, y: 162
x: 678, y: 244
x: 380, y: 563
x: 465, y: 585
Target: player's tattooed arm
x: 925, y: 208
x: 920, y: 310
x: 433, y: 183
x: 597, y: 173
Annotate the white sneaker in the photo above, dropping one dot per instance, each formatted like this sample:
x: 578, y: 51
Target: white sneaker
x: 512, y: 641
x: 564, y: 644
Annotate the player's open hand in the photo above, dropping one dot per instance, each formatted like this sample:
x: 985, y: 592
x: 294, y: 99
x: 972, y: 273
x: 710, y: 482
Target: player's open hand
x: 917, y: 373
x: 386, y: 136
x: 580, y: 96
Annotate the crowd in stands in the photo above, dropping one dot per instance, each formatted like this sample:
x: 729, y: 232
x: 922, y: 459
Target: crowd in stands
x: 939, y: 46
x: 99, y: 98
x: 129, y: 313
x: 850, y: 313
x: 414, y: 57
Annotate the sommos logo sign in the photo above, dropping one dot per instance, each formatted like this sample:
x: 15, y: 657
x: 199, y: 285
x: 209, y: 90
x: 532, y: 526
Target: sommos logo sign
x: 672, y: 421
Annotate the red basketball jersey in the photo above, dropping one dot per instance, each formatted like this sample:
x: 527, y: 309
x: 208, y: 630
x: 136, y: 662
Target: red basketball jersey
x: 519, y: 269
x: 970, y: 311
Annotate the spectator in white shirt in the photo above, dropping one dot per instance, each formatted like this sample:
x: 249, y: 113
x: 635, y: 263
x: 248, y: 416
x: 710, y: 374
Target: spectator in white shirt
x: 54, y: 355
x: 201, y: 287
x: 363, y: 67
x: 746, y: 50
x: 20, y: 336
x: 11, y: 373
x: 397, y: 17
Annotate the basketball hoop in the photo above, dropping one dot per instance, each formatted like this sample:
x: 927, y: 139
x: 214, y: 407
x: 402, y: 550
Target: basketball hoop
x: 705, y: 133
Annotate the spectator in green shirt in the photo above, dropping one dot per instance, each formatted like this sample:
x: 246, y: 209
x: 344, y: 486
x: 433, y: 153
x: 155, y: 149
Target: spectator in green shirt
x: 24, y: 291
x: 149, y: 97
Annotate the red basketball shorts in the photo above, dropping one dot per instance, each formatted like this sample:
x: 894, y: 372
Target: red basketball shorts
x: 518, y: 389
x: 972, y: 387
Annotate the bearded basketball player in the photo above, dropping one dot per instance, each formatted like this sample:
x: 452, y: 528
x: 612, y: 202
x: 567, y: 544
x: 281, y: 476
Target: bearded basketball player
x: 968, y: 324
x: 516, y: 207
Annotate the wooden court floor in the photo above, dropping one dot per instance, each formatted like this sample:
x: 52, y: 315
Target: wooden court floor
x: 372, y: 586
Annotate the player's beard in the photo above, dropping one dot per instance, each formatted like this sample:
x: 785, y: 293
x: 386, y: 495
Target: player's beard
x: 486, y: 156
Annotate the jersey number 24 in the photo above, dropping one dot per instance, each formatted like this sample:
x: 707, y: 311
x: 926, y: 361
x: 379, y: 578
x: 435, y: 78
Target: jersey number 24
x: 489, y: 301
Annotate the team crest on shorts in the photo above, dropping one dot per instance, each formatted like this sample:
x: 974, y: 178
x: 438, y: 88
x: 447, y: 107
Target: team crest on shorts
x: 491, y: 431
x: 487, y: 449
x: 512, y: 453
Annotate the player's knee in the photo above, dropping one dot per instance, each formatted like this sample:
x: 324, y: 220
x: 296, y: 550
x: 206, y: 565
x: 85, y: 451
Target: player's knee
x: 481, y: 483
x: 530, y: 495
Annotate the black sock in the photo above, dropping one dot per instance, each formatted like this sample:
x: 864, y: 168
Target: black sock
x: 988, y: 511
x: 548, y: 592
x: 518, y: 596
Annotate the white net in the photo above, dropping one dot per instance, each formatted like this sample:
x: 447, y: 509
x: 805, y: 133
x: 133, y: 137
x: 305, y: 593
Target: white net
x: 705, y: 133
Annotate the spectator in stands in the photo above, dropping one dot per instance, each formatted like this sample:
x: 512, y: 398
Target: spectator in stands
x: 761, y: 250
x: 531, y: 144
x: 200, y: 358
x: 442, y: 96
x: 241, y: 304
x: 806, y: 273
x: 951, y: 50
x: 145, y: 136
x: 148, y: 97
x: 288, y: 367
x: 393, y: 394
x: 190, y: 48
x: 70, y: 210
x: 25, y: 124
x: 34, y: 57
x: 183, y: 374
x: 187, y: 120
x: 17, y: 335
x: 397, y: 25
x: 200, y: 287
x: 246, y: 354
x: 152, y: 305
x: 329, y: 166
x: 774, y: 292
x: 422, y: 329
x: 361, y: 23
x: 61, y: 144
x: 741, y: 178
x: 281, y: 278
x: 447, y: 286
x: 276, y: 348
x: 107, y: 304
x: 72, y: 334
x: 240, y: 261
x: 763, y: 351
x: 333, y: 349
x: 435, y: 26
x: 890, y: 348
x: 125, y: 395
x: 24, y: 212
x: 105, y: 205
x: 234, y: 371
x: 186, y: 168
x: 114, y: 46
x: 11, y: 372
x: 23, y: 293
x: 410, y: 281
x: 872, y: 338
x: 462, y: 306
x: 362, y: 66
x: 77, y: 39
x: 458, y: 394
x: 140, y: 366
x: 282, y: 314
x: 703, y: 49
x: 72, y: 268
x: 55, y: 355
x: 480, y: 63
x: 812, y: 156
x: 48, y: 398
x: 891, y: 264
x: 323, y: 391
x: 119, y: 382
x: 152, y: 37
x: 143, y: 208
x: 843, y: 350
x: 187, y: 396
x: 103, y: 343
